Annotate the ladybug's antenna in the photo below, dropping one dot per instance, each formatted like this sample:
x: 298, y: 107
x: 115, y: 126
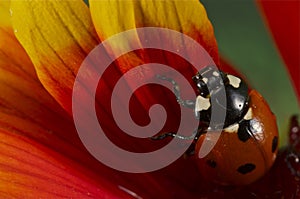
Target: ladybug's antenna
x: 176, y: 91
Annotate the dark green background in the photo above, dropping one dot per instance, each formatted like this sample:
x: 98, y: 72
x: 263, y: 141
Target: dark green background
x: 244, y: 39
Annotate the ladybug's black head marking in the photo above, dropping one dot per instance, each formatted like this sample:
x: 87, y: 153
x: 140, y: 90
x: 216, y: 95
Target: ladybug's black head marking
x: 210, y: 78
x: 244, y: 132
x: 248, y: 129
x: 210, y: 82
x: 237, y: 102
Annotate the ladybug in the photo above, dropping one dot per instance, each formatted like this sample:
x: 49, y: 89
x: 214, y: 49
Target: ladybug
x: 247, y: 146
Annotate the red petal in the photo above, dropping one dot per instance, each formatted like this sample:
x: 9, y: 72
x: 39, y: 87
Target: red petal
x: 29, y: 170
x: 283, y: 19
x: 27, y: 110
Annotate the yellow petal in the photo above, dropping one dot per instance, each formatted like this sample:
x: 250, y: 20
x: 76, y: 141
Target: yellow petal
x: 4, y: 13
x: 188, y: 17
x: 26, y: 108
x: 57, y: 35
x: 38, y: 139
x: 12, y: 56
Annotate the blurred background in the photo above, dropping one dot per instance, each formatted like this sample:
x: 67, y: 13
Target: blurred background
x: 245, y: 42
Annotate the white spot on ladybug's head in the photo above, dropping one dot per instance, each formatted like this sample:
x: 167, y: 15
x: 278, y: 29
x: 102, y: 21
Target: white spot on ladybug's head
x: 205, y: 80
x: 249, y: 114
x: 232, y: 128
x: 234, y: 81
x: 202, y: 103
x: 215, y: 73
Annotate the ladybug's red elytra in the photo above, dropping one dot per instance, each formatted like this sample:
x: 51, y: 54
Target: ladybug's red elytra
x: 248, y: 144
x: 239, y: 161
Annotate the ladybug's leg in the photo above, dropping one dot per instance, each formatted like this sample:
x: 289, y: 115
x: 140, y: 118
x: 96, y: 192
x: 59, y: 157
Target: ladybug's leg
x: 191, y: 150
x: 194, y: 136
x: 174, y: 135
x: 176, y: 90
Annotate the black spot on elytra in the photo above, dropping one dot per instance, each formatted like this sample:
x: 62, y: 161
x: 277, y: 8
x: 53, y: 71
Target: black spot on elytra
x: 211, y: 163
x: 246, y: 168
x: 274, y: 144
x: 243, y: 132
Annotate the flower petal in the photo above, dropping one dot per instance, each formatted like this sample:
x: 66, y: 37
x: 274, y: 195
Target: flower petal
x: 187, y: 17
x: 57, y: 35
x: 4, y: 14
x: 29, y: 170
x: 25, y: 106
x: 28, y: 114
x: 113, y: 17
x: 283, y: 19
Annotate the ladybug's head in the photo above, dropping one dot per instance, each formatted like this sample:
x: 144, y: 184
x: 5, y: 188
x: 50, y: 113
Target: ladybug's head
x: 210, y: 82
